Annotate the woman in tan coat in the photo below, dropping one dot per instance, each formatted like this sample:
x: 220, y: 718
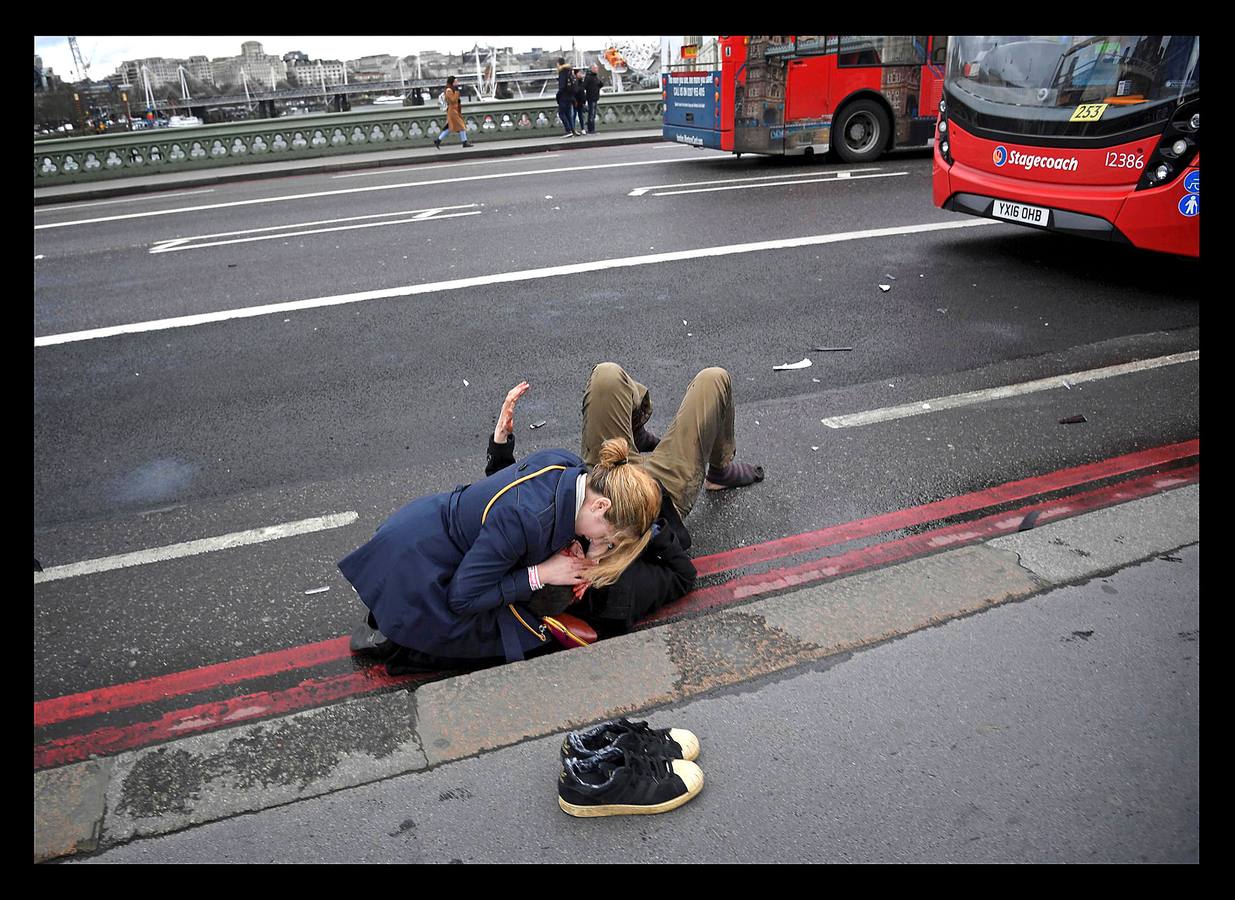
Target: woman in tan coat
x: 454, y: 114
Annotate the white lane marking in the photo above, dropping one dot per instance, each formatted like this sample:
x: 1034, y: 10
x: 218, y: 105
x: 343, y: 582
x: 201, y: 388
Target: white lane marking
x: 423, y: 166
x: 192, y: 548
x: 742, y: 187
x: 69, y: 207
x: 639, y: 192
x: 970, y: 398
x: 500, y: 278
x: 360, y: 190
x: 173, y: 246
x: 288, y: 231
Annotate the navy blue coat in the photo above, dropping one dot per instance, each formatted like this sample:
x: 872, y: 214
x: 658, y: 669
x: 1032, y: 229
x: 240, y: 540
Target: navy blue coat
x: 438, y: 581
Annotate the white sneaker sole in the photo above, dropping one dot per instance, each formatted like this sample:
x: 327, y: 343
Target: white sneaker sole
x: 691, y: 775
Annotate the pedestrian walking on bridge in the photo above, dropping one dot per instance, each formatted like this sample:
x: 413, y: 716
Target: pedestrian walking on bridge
x: 454, y: 114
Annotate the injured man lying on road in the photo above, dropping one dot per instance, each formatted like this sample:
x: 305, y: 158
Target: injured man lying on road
x: 466, y: 579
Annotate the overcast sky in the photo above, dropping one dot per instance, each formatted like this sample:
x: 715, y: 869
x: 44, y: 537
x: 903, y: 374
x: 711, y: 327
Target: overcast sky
x: 104, y: 53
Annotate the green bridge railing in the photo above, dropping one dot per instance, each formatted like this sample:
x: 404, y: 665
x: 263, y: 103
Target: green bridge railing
x: 106, y: 156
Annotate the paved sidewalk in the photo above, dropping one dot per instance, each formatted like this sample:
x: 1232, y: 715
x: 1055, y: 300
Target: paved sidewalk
x: 166, y: 181
x: 102, y: 803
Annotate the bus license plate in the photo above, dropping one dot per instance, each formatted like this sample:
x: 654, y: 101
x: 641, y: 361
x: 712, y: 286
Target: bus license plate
x: 1019, y: 212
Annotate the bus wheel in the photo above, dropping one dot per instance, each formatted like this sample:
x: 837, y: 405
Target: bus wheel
x: 861, y: 131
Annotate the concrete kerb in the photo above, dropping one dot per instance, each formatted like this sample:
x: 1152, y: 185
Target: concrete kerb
x: 147, y: 184
x: 100, y: 803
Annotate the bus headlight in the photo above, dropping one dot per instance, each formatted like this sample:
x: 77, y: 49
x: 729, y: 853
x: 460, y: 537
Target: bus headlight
x: 945, y: 148
x: 1177, y: 149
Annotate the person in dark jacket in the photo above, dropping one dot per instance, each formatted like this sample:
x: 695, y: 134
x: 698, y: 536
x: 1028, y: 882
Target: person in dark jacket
x: 580, y: 101
x: 565, y: 95
x: 591, y: 87
x: 451, y: 579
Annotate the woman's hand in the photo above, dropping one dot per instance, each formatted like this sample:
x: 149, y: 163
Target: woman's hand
x: 565, y: 568
x: 506, y: 417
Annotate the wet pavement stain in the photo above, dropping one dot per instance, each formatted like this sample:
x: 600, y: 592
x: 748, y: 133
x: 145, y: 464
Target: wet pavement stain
x: 716, y: 650
x: 156, y: 784
x: 405, y: 826
x: 155, y: 481
x: 295, y: 752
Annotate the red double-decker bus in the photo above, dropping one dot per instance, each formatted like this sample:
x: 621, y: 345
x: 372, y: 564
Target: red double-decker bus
x: 807, y: 94
x: 1088, y: 135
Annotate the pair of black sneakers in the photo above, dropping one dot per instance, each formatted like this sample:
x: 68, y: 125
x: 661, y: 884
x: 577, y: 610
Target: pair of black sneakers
x: 622, y: 768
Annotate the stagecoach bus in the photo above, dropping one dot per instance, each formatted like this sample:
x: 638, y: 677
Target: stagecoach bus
x: 1089, y: 135
x: 807, y: 94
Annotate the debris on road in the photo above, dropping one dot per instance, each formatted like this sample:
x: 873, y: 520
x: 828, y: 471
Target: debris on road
x: 831, y: 349
x: 320, y: 590
x: 1073, y: 420
x: 885, y: 287
x: 465, y: 383
x: 814, y: 448
x: 804, y: 364
x: 540, y: 424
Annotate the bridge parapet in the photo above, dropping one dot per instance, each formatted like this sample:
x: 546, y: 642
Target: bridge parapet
x: 107, y: 156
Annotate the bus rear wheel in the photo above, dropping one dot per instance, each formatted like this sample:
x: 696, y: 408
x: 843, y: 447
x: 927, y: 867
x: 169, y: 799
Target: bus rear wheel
x: 861, y: 131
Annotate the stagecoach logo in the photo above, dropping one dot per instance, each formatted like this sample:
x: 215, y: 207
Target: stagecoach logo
x: 1002, y: 155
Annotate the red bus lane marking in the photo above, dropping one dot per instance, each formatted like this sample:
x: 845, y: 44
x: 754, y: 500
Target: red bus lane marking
x: 148, y: 690
x: 137, y: 693
x: 311, y: 693
x: 917, y: 545
x: 207, y: 716
x: 942, y: 509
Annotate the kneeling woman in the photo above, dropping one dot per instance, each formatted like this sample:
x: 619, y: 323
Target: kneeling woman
x: 451, y: 577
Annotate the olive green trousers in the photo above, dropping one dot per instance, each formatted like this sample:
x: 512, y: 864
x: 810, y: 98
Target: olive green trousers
x: 701, y: 433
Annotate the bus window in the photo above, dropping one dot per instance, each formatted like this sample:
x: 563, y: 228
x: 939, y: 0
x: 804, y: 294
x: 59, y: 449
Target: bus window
x: 880, y: 50
x: 939, y: 50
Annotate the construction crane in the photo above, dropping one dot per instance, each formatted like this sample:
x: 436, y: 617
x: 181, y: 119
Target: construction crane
x: 82, y: 65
